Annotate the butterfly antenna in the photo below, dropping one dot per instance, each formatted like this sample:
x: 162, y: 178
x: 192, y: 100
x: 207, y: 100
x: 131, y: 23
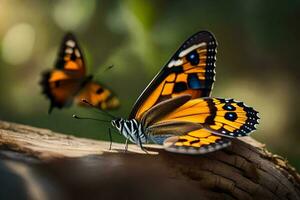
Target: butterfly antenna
x: 99, y: 110
x: 89, y: 118
x: 108, y: 68
x: 104, y: 70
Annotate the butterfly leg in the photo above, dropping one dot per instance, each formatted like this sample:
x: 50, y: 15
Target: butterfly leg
x: 110, y: 138
x: 143, y: 149
x: 126, y: 144
x: 140, y: 143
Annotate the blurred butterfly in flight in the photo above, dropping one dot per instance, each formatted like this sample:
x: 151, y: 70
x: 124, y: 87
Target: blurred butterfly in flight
x: 68, y: 81
x: 176, y: 109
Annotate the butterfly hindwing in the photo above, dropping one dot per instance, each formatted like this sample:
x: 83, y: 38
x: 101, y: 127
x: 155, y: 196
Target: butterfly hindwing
x: 230, y: 117
x: 220, y: 116
x: 202, y: 125
x: 191, y: 70
x: 98, y: 96
x: 199, y: 141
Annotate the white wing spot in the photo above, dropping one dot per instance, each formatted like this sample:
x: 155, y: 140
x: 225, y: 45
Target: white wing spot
x: 70, y: 43
x: 175, y: 63
x: 69, y: 51
x: 77, y: 53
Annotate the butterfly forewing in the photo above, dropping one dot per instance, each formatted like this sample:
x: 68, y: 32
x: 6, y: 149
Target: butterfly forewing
x: 70, y: 56
x: 191, y: 71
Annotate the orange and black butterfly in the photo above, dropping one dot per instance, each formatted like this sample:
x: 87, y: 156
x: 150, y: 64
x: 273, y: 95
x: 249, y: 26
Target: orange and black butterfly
x: 176, y: 109
x: 68, y: 81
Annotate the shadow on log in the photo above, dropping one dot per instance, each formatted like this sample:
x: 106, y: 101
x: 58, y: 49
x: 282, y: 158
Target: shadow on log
x: 40, y: 164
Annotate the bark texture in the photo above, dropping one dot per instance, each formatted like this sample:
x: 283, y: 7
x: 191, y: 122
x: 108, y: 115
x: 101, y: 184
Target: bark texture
x: 41, y: 164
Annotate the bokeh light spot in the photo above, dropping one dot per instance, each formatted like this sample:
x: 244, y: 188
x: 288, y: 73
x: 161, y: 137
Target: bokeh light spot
x: 70, y: 15
x: 18, y: 43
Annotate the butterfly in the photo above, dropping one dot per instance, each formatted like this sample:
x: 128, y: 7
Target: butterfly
x: 176, y: 109
x: 68, y: 81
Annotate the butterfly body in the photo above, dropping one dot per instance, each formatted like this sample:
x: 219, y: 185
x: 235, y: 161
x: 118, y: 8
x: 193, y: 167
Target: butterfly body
x: 131, y: 129
x: 68, y: 81
x: 176, y: 109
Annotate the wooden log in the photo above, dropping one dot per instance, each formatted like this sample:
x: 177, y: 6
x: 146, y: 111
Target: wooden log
x: 67, y: 167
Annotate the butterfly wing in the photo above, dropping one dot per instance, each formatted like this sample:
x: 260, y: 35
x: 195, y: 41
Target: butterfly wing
x: 61, y: 84
x: 59, y: 88
x: 98, y: 96
x: 70, y: 56
x: 225, y: 117
x: 200, y: 125
x: 196, y: 142
x: 191, y: 70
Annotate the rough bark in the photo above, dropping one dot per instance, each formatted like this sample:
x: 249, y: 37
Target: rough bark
x: 53, y: 165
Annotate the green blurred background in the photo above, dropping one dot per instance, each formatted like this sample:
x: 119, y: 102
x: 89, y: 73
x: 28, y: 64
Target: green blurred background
x: 256, y: 61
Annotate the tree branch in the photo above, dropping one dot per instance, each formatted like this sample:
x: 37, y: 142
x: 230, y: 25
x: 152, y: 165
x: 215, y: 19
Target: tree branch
x: 86, y: 168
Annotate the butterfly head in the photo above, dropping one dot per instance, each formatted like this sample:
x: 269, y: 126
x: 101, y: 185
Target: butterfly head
x: 118, y: 123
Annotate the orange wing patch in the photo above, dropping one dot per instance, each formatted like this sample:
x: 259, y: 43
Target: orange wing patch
x: 98, y: 96
x: 196, y: 142
x: 59, y: 88
x: 190, y: 71
x: 220, y: 116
